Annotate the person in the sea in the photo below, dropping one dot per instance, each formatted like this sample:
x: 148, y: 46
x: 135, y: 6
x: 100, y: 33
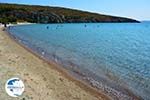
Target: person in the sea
x: 47, y: 27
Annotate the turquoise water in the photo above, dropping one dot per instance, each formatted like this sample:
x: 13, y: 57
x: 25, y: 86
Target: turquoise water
x: 112, y: 54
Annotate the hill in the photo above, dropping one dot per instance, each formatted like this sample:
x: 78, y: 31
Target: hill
x: 46, y: 14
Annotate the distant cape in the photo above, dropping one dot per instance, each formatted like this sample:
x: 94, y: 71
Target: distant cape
x: 47, y: 14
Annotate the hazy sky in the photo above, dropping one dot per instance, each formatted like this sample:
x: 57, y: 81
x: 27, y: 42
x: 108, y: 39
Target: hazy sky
x: 137, y: 9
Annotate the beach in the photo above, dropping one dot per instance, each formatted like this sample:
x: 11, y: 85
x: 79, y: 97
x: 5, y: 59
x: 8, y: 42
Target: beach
x: 42, y: 80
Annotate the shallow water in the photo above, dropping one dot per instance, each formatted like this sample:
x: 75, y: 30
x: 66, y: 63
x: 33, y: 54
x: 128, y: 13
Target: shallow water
x: 118, y: 53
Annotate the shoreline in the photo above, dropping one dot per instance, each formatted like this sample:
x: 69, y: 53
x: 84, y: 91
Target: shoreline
x: 64, y: 72
x: 53, y: 66
x: 89, y: 85
x: 81, y: 83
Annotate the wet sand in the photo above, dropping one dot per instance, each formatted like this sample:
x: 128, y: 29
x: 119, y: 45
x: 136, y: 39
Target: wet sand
x: 43, y: 81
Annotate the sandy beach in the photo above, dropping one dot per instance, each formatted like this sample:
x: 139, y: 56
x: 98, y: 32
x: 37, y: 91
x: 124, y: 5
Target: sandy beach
x: 42, y: 80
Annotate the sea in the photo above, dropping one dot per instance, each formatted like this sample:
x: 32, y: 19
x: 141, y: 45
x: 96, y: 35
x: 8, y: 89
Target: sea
x: 111, y: 57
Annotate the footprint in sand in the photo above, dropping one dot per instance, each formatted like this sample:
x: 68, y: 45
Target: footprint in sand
x: 61, y: 79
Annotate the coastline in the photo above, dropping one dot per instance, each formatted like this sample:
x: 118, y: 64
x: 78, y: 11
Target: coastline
x: 21, y: 62
x: 87, y: 86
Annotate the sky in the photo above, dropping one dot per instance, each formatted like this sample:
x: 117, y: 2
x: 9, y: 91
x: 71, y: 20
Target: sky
x: 136, y: 9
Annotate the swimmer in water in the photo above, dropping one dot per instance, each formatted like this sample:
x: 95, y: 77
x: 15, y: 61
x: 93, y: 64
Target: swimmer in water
x: 47, y: 27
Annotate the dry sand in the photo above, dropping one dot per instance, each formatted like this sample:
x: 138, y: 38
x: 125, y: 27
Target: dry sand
x: 42, y: 81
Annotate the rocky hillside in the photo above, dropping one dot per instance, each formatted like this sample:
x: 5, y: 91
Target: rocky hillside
x: 46, y: 14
